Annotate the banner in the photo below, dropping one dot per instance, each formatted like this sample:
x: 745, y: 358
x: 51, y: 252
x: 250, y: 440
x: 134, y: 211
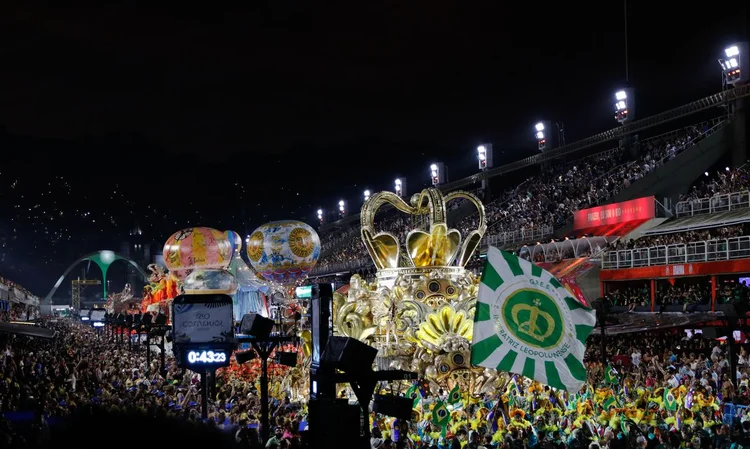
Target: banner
x: 209, y: 322
x: 616, y: 213
x: 527, y: 323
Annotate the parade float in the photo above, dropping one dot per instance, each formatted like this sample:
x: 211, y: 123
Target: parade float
x: 122, y: 302
x: 283, y: 253
x: 159, y: 291
x: 419, y: 310
x: 208, y: 261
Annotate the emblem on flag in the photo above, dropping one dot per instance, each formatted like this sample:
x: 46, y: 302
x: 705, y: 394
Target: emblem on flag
x: 527, y: 323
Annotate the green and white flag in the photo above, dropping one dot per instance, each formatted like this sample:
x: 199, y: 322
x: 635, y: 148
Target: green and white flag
x: 527, y: 323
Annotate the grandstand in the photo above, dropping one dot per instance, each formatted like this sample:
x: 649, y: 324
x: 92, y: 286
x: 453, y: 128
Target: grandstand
x: 685, y: 250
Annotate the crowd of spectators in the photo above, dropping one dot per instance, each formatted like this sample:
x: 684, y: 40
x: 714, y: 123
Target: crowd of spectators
x: 81, y: 374
x: 723, y: 182
x: 647, y: 241
x: 19, y: 312
x: 545, y: 201
x: 684, y: 294
x: 80, y: 369
x: 12, y: 285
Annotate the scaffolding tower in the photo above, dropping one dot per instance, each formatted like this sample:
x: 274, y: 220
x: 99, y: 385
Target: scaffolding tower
x: 78, y: 286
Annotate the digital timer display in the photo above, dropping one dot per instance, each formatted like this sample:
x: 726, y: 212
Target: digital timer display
x: 207, y: 357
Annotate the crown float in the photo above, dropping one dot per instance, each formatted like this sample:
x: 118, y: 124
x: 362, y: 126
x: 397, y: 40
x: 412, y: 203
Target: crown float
x: 438, y: 246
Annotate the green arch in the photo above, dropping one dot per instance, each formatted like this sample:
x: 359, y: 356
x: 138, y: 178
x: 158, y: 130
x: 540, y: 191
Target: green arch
x: 104, y: 259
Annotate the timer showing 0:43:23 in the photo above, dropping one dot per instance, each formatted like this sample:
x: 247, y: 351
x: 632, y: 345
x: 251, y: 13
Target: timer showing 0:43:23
x: 206, y: 357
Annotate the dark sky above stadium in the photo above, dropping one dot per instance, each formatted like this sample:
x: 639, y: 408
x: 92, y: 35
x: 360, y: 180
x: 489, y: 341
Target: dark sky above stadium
x: 113, y: 116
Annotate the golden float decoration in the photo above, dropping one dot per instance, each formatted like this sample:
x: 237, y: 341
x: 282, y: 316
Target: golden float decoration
x: 419, y: 311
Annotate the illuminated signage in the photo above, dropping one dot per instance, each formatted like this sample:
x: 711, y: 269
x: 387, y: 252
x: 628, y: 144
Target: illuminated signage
x: 303, y: 292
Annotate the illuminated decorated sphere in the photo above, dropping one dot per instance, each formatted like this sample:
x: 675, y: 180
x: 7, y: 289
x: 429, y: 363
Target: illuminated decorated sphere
x: 197, y: 248
x: 235, y: 240
x: 283, y: 252
x: 208, y: 282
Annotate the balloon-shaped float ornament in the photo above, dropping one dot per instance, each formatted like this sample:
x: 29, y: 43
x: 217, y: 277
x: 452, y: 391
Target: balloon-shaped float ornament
x: 283, y: 252
x: 235, y: 240
x: 197, y: 249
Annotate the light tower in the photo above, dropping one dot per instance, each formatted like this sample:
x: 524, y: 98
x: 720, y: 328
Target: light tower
x: 546, y: 137
x: 438, y: 174
x: 399, y: 186
x: 735, y: 71
x: 484, y: 159
x: 320, y: 216
x: 541, y: 136
x: 367, y: 194
x: 342, y: 208
x: 732, y: 69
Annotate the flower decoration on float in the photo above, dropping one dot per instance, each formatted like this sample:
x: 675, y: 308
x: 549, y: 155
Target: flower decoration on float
x: 419, y: 310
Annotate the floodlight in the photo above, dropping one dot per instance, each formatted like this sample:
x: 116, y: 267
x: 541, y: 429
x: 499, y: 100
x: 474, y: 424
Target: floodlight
x: 320, y: 212
x: 540, y: 135
x: 341, y: 203
x: 399, y: 187
x: 437, y: 173
x: 623, y: 106
x: 734, y: 67
x: 539, y: 126
x: 367, y: 195
x: 484, y: 156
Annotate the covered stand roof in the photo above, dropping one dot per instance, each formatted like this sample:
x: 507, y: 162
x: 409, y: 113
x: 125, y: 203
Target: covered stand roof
x: 29, y: 330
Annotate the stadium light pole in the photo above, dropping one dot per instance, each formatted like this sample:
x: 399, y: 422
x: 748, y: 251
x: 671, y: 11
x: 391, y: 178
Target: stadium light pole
x: 399, y: 186
x: 367, y: 194
x: 736, y: 72
x: 342, y: 208
x: 484, y: 159
x: 541, y: 138
x: 320, y: 216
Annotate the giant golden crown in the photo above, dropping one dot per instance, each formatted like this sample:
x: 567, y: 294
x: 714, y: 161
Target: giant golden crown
x: 436, y: 246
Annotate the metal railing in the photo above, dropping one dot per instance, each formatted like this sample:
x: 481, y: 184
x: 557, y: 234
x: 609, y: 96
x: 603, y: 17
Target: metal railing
x: 518, y: 236
x: 718, y: 203
x: 694, y: 252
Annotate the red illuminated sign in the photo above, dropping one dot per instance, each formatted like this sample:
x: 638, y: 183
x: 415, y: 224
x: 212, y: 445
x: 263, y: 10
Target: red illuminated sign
x: 638, y: 209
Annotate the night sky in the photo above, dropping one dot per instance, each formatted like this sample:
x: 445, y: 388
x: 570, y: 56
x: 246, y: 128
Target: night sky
x: 113, y: 117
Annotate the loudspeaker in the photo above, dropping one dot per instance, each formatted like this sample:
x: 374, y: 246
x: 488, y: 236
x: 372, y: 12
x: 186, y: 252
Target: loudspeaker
x: 395, y: 406
x: 161, y: 319
x: 321, y: 298
x: 349, y: 355
x: 256, y: 325
x: 287, y: 358
x: 244, y: 356
x: 334, y: 424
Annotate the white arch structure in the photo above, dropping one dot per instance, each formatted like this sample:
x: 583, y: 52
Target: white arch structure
x: 103, y: 259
